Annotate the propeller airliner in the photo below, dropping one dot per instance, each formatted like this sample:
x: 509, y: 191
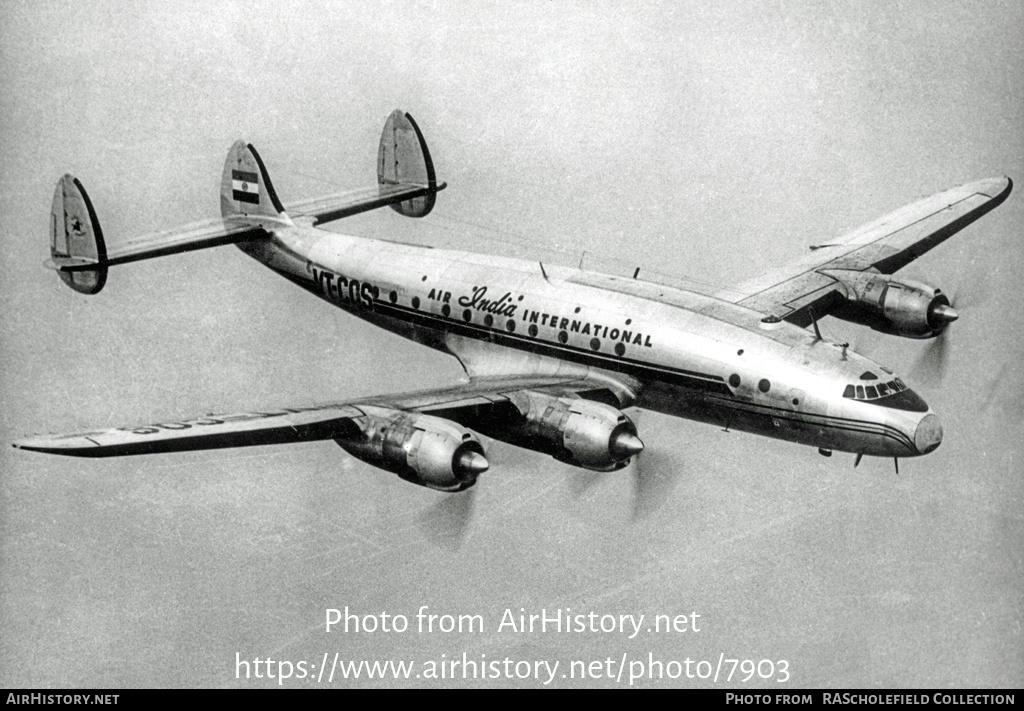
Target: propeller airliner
x: 552, y: 355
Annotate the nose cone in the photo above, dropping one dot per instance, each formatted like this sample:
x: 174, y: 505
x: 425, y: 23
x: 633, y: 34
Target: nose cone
x: 928, y: 435
x: 470, y: 465
x: 625, y: 445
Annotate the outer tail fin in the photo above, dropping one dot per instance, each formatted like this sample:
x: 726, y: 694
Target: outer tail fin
x: 245, y: 187
x: 76, y: 239
x: 403, y: 159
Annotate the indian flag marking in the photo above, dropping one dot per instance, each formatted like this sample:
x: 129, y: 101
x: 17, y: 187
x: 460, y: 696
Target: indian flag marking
x: 245, y: 186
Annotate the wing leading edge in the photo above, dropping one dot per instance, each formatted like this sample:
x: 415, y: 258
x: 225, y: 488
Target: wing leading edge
x: 884, y: 246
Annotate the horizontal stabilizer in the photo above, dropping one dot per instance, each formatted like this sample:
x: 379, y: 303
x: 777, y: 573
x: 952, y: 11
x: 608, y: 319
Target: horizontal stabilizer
x: 405, y: 179
x: 187, y: 238
x: 334, y: 207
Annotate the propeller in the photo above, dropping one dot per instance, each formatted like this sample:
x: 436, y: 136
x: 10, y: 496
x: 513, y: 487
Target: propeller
x: 447, y: 521
x: 654, y: 480
x: 654, y: 476
x: 931, y: 365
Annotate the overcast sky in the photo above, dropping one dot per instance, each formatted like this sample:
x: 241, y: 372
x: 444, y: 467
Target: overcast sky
x: 685, y: 138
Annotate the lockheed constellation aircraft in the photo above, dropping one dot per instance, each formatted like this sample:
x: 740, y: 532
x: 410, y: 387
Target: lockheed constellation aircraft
x: 553, y: 355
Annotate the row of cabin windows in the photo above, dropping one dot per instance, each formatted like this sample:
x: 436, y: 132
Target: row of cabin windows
x: 510, y: 325
x: 873, y: 392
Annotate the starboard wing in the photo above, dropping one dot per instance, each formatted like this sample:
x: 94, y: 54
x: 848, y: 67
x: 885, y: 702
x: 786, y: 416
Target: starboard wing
x: 885, y: 245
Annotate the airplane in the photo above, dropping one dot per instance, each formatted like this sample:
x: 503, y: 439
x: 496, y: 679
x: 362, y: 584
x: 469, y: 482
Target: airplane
x: 552, y: 355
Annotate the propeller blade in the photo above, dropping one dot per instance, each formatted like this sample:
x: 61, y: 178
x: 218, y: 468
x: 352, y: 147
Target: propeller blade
x: 446, y: 522
x: 931, y: 365
x: 654, y: 480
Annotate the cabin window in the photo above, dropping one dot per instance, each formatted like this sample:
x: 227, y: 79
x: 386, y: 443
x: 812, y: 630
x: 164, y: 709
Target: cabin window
x: 764, y: 386
x: 595, y: 344
x: 533, y: 330
x: 620, y: 349
x: 415, y: 302
x: 734, y: 380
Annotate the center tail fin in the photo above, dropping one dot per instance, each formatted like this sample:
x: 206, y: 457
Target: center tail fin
x: 245, y: 187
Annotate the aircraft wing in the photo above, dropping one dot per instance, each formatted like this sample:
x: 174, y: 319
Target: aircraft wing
x: 483, y: 397
x: 885, y: 245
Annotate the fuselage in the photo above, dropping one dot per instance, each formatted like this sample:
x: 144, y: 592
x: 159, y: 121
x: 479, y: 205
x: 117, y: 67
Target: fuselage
x: 668, y: 350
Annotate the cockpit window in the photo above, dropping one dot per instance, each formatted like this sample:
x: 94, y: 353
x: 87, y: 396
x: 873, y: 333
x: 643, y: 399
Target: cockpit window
x: 893, y: 394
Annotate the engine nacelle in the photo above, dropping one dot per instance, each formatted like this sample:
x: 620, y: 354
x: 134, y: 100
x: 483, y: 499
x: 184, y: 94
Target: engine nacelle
x: 892, y: 304
x: 422, y: 449
x: 581, y: 432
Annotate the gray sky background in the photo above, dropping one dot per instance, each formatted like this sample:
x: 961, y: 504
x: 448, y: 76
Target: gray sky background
x: 687, y: 138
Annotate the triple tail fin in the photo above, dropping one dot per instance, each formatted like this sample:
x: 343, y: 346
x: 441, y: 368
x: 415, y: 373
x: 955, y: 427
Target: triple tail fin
x: 249, y: 208
x: 245, y: 187
x: 76, y: 239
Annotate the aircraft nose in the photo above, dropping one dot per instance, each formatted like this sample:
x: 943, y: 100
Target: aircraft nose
x: 928, y: 435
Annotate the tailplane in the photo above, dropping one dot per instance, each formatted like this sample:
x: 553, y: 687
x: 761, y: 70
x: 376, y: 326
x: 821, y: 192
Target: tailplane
x: 76, y: 239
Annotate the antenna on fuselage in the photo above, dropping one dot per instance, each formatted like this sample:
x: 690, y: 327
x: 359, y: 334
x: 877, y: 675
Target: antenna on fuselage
x: 635, y: 272
x: 814, y: 321
x: 543, y: 272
